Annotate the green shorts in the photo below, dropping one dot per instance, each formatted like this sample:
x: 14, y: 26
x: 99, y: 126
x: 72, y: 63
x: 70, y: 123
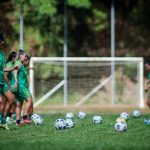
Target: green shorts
x: 23, y: 93
x: 4, y: 88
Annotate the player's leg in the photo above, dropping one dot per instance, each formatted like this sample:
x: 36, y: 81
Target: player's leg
x: 18, y: 113
x: 148, y: 101
x: 148, y: 104
x: 2, y: 106
x: 14, y: 111
x: 28, y: 110
x: 12, y: 114
x: 31, y: 111
x: 25, y: 94
x: 10, y: 100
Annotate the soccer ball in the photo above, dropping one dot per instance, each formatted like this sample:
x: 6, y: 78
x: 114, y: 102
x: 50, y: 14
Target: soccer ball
x: 136, y: 113
x: 97, y: 119
x: 118, y: 120
x: 121, y: 126
x: 81, y: 115
x: 60, y: 124
x: 69, y: 115
x: 38, y: 120
x: 124, y: 115
x: 34, y: 116
x: 69, y: 123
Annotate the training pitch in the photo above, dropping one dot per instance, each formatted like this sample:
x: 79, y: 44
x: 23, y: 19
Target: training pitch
x: 84, y: 136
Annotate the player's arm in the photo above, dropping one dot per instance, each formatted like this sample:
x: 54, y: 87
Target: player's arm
x: 0, y: 98
x: 17, y: 64
x: 11, y: 69
x: 16, y: 79
x: 148, y: 88
x: 6, y: 78
x: 147, y: 66
x: 7, y: 69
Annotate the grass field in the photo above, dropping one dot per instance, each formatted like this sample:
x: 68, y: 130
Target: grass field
x: 84, y: 136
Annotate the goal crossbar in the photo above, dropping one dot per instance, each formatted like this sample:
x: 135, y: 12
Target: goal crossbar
x: 108, y: 59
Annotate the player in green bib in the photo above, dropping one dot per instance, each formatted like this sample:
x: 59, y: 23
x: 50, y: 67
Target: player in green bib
x: 23, y: 92
x: 4, y: 89
x: 9, y: 77
x: 147, y: 65
x: 26, y: 63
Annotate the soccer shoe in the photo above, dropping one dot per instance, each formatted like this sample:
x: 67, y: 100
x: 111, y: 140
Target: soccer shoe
x: 4, y: 126
x: 147, y: 121
x: 27, y: 121
x: 7, y: 119
x: 20, y: 124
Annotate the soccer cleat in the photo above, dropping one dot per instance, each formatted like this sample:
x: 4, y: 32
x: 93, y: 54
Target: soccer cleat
x: 147, y: 121
x: 20, y: 124
x: 4, y: 126
x: 7, y: 119
x: 27, y: 121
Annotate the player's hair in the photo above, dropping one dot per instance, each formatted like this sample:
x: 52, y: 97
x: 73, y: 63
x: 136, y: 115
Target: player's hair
x: 11, y: 55
x: 28, y: 57
x: 1, y: 38
x: 20, y: 51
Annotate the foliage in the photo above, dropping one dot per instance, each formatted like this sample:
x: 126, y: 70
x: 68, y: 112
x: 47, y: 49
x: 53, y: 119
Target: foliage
x: 47, y: 71
x: 88, y: 26
x: 100, y: 20
x: 79, y: 3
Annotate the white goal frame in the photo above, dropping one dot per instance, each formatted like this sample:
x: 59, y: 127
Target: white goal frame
x: 140, y: 102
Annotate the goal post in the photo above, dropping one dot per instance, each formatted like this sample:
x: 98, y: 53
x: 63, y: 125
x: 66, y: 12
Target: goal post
x: 88, y: 80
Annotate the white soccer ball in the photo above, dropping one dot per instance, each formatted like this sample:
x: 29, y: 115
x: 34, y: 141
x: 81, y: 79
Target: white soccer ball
x: 119, y: 119
x: 97, y: 119
x: 34, y: 116
x: 69, y: 123
x: 136, y: 113
x: 81, y: 115
x: 60, y: 124
x: 121, y: 127
x: 38, y: 120
x: 69, y: 115
x: 124, y: 115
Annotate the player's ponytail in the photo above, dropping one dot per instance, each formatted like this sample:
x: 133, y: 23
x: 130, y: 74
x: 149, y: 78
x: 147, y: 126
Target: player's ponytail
x: 1, y: 38
x: 11, y: 56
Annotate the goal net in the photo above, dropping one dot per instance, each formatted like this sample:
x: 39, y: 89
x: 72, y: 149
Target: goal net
x: 88, y: 81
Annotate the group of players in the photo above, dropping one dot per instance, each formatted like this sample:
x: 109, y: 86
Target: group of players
x: 14, y: 88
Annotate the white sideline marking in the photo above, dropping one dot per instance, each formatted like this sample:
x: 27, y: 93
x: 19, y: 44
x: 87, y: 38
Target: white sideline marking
x: 41, y: 100
x: 93, y: 91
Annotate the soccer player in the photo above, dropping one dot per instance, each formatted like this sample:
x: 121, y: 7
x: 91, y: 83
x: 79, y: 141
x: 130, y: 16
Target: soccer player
x: 26, y: 63
x: 9, y: 77
x: 23, y: 92
x: 147, y: 65
x: 4, y: 88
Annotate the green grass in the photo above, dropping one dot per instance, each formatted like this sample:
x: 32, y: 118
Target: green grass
x: 84, y: 136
